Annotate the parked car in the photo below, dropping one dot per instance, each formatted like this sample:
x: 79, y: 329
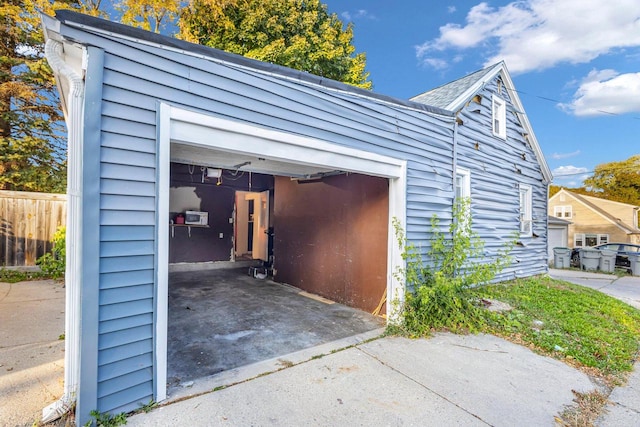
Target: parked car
x: 622, y: 258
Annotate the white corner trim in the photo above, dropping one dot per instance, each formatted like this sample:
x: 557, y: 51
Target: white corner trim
x: 162, y: 251
x: 397, y: 211
x: 73, y: 272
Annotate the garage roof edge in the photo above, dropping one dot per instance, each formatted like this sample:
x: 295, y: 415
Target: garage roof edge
x: 89, y: 23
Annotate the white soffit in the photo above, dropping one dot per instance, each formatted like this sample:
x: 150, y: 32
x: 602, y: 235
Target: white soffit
x: 226, y: 143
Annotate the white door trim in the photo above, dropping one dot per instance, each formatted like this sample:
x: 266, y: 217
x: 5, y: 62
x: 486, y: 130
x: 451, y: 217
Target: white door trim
x: 176, y: 125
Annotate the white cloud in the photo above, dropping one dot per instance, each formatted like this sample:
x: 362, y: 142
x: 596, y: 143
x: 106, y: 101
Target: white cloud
x: 606, y: 92
x: 569, y: 171
x: 538, y: 34
x: 559, y: 156
x: 358, y: 14
x: 436, y: 63
x: 451, y: 9
x: 570, y: 176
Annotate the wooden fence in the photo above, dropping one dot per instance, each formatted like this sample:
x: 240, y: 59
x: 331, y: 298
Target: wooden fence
x: 27, y: 223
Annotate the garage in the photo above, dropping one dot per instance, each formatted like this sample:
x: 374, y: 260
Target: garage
x: 182, y: 157
x: 558, y: 230
x: 320, y: 228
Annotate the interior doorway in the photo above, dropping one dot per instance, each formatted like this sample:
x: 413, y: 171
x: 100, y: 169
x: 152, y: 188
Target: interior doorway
x: 252, y: 222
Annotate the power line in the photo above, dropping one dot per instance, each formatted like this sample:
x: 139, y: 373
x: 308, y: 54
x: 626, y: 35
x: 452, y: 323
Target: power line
x: 555, y: 101
x: 612, y: 170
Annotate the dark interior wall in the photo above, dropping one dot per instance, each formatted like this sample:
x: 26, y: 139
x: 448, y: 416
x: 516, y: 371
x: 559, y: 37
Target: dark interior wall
x: 331, y: 237
x: 205, y: 244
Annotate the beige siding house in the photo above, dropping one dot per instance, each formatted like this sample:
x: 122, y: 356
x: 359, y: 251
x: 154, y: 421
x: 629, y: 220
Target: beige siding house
x: 595, y: 221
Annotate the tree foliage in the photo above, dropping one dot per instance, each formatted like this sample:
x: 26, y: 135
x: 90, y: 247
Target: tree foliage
x: 32, y: 140
x: 150, y: 15
x: 553, y: 189
x: 619, y: 181
x: 296, y: 33
x: 299, y: 34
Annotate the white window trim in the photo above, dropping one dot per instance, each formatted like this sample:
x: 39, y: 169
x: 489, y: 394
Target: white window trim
x: 601, y: 239
x: 526, y: 219
x: 465, y: 192
x: 500, y: 105
x: 466, y: 182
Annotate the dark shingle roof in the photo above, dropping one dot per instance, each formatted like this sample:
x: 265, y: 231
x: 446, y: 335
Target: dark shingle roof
x: 444, y: 95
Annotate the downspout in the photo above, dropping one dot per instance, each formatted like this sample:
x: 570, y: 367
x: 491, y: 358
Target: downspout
x: 455, y: 156
x: 455, y: 171
x: 73, y: 289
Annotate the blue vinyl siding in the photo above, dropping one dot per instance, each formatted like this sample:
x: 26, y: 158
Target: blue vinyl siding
x: 136, y: 77
x: 498, y: 167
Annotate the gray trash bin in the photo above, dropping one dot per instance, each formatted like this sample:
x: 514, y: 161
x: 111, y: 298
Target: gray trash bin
x: 589, y: 259
x: 561, y: 257
x: 607, y: 260
x: 635, y: 264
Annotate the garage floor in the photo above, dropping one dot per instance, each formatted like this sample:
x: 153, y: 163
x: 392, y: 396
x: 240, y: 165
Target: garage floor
x: 223, y: 319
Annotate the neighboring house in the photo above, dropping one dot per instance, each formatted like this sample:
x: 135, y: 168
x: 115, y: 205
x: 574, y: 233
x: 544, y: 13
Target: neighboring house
x: 155, y: 124
x: 558, y: 234
x: 595, y: 221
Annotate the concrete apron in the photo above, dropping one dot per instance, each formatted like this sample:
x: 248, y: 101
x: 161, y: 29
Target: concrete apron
x: 447, y: 380
x: 226, y: 326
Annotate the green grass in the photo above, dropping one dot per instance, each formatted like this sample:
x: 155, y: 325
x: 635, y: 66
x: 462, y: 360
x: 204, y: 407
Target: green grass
x: 570, y: 322
x: 14, y: 276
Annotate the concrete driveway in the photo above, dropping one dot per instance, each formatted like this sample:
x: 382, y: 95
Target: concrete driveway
x: 445, y: 380
x: 450, y: 379
x: 472, y: 380
x: 31, y: 353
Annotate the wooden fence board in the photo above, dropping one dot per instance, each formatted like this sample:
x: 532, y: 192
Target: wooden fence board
x: 27, y: 224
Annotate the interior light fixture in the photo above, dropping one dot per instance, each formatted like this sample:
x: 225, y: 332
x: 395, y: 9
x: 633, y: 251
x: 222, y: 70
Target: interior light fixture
x: 214, y: 173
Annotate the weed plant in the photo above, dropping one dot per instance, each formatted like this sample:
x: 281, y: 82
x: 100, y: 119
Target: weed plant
x: 53, y: 263
x: 439, y: 293
x: 14, y: 276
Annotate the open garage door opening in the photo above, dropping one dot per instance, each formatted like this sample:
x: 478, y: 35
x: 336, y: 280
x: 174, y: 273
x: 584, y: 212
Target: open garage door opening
x: 302, y: 225
x: 279, y: 265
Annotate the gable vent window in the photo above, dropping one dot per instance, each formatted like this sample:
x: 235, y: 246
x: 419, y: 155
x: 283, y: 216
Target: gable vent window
x: 499, y: 117
x: 562, y: 211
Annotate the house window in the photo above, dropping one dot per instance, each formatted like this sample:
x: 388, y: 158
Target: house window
x: 463, y: 183
x: 499, y: 117
x: 525, y: 210
x: 562, y: 211
x: 582, y: 240
x: 463, y: 193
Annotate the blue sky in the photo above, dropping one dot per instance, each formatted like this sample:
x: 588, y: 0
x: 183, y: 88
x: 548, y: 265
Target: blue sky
x: 576, y: 64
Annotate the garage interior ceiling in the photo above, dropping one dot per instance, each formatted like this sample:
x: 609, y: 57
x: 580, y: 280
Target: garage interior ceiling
x: 201, y: 156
